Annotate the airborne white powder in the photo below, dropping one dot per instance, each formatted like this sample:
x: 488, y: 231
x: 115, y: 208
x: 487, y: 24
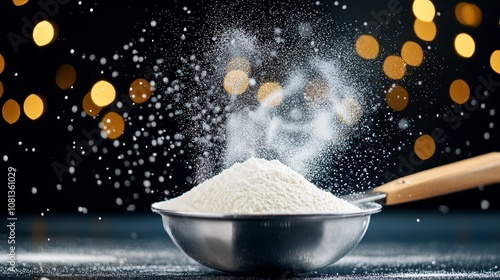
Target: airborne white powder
x: 257, y: 186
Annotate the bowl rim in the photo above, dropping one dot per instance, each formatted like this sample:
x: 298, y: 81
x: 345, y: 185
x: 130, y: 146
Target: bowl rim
x: 366, y: 208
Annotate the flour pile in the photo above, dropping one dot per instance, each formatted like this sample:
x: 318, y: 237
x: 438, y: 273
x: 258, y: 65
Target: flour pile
x: 258, y: 186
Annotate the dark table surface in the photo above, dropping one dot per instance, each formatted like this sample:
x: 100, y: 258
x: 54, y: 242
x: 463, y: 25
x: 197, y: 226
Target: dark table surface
x: 398, y: 245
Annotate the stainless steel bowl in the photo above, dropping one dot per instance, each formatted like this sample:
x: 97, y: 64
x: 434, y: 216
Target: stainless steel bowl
x: 267, y: 244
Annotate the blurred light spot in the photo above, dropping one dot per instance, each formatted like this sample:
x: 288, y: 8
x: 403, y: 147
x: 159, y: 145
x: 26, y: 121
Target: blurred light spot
x: 403, y: 124
x: 238, y: 63
x: 140, y: 90
x: 464, y: 45
x: 425, y: 30
x: 424, y: 10
x: 19, y: 2
x: 397, y: 98
x: 102, y: 93
x: 44, y: 33
x: 444, y: 209
x: 113, y: 125
x: 367, y: 47
x: 412, y: 53
x: 495, y: 61
x: 394, y: 67
x: 425, y: 147
x: 270, y: 94
x: 89, y: 106
x: 485, y: 204
x: 2, y: 63
x: 468, y: 14
x: 65, y: 76
x: 33, y: 106
x: 11, y: 111
x: 1, y: 89
x: 459, y: 91
x: 305, y: 30
x: 316, y: 91
x: 236, y: 82
x: 349, y: 111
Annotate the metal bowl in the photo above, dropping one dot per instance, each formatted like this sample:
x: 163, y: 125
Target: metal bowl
x: 267, y: 244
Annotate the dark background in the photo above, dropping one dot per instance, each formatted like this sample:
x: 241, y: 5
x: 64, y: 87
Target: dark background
x: 103, y: 28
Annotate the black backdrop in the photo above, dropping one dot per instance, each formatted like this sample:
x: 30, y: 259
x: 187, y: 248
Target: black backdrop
x: 120, y: 177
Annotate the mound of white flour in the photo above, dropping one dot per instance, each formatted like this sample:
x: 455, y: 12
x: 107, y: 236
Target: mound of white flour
x: 257, y: 186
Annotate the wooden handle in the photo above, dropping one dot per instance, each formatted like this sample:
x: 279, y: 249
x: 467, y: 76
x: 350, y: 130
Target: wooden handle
x: 450, y: 178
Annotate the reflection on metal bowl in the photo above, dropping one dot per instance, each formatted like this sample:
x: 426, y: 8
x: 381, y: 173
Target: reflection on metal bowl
x: 267, y: 244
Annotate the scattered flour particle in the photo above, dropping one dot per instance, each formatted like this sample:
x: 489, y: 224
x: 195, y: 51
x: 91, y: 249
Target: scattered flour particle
x: 258, y: 186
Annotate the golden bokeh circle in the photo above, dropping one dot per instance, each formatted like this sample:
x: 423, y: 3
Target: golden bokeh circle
x: 349, y: 112
x: 113, y: 125
x: 65, y: 76
x: 394, y: 67
x: 103, y: 93
x: 316, y: 91
x: 236, y: 82
x: 238, y: 63
x: 426, y: 31
x: 397, y: 98
x: 464, y: 45
x: 425, y: 147
x: 140, y: 90
x: 11, y: 111
x: 44, y: 33
x: 33, y: 106
x: 468, y: 14
x: 19, y: 2
x: 367, y: 46
x: 412, y: 53
x: 495, y: 61
x: 424, y: 10
x: 459, y: 91
x: 2, y: 63
x: 89, y: 106
x: 270, y: 94
x: 1, y: 89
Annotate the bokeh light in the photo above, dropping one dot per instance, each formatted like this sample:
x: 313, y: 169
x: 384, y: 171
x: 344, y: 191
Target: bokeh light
x: 1, y: 89
x: 424, y: 10
x: 495, y: 61
x: 11, y: 111
x: 425, y: 30
x: 2, y: 63
x: 367, y: 47
x: 89, y: 106
x: 113, y: 125
x: 349, y: 112
x: 425, y: 147
x: 103, y: 93
x: 44, y: 33
x: 236, y: 82
x: 19, y: 2
x: 394, y: 67
x: 238, y: 63
x: 33, y: 106
x: 459, y: 91
x: 465, y: 45
x: 316, y: 91
x: 140, y: 90
x: 412, y: 53
x: 270, y: 94
x: 468, y: 14
x: 65, y: 76
x: 397, y: 98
